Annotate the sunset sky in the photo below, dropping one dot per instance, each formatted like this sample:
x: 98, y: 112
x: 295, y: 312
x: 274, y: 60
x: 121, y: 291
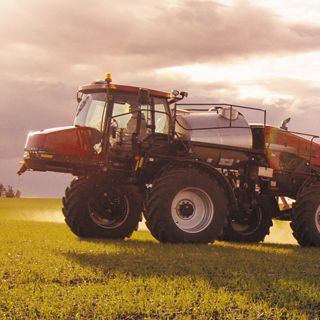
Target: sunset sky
x: 257, y: 53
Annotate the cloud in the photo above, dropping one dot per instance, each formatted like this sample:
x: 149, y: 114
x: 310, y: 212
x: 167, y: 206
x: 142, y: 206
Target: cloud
x: 64, y: 41
x: 149, y: 33
x: 32, y: 105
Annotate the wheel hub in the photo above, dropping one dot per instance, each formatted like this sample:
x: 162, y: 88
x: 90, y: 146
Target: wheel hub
x: 317, y: 218
x: 192, y: 210
x: 249, y: 224
x: 185, y: 209
x: 108, y: 211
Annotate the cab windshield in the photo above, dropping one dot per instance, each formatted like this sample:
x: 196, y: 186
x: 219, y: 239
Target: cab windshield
x: 91, y: 111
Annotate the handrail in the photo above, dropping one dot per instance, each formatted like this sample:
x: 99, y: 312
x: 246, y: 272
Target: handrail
x: 216, y: 106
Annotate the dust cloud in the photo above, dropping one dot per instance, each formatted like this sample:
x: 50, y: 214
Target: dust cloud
x: 42, y: 215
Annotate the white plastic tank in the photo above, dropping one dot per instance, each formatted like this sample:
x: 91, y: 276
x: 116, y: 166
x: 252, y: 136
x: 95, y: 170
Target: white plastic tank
x: 221, y: 126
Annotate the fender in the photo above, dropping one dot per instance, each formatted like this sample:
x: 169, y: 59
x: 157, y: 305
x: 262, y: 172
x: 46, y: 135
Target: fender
x: 210, y: 170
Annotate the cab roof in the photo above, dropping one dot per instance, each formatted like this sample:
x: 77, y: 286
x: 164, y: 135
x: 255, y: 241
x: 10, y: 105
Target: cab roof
x: 101, y: 86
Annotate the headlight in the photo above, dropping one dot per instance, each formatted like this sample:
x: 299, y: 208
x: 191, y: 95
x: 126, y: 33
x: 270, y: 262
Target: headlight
x: 26, y: 155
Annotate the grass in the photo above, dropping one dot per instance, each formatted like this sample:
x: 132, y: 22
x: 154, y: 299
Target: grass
x: 48, y: 273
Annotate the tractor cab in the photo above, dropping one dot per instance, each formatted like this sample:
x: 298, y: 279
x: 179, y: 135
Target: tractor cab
x: 124, y: 115
x: 111, y: 124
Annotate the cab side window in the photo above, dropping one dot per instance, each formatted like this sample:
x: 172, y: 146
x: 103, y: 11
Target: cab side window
x: 161, y: 116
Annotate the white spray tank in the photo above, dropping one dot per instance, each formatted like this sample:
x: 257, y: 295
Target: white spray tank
x: 213, y: 134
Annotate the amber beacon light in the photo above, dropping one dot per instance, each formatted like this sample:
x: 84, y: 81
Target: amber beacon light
x: 108, y: 77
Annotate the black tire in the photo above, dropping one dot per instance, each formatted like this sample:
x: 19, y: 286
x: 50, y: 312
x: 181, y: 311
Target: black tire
x: 255, y: 227
x: 94, y: 209
x: 306, y: 215
x: 186, y: 205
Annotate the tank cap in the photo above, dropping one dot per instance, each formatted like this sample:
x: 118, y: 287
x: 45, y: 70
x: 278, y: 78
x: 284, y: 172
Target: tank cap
x: 228, y: 113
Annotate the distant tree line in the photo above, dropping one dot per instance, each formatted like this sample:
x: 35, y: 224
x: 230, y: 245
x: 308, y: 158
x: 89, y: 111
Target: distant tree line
x: 8, y: 192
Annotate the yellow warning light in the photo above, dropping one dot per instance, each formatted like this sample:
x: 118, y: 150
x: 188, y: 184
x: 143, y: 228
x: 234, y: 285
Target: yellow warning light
x: 108, y: 77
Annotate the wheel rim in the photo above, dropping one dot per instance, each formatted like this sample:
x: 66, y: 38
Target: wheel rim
x: 109, y: 211
x: 317, y: 218
x: 250, y: 225
x: 192, y: 210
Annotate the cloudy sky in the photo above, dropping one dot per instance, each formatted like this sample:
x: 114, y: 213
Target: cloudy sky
x: 258, y: 53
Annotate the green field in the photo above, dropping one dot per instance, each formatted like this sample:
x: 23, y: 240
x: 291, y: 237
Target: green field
x: 47, y: 273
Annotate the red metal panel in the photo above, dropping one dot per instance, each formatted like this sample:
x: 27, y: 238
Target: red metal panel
x: 69, y: 141
x: 284, y: 149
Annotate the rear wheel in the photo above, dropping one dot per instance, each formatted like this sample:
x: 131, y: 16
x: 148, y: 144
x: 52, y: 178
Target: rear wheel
x: 251, y: 227
x: 186, y: 205
x: 95, y: 209
x: 306, y: 215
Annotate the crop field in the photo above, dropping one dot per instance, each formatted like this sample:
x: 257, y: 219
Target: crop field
x: 48, y: 273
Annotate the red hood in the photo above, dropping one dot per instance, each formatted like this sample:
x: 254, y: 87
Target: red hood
x: 73, y: 141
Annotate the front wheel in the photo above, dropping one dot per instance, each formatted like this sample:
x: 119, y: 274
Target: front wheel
x: 95, y: 209
x: 186, y: 205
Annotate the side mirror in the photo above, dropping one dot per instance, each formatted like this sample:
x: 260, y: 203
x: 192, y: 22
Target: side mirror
x: 184, y: 94
x: 144, y: 96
